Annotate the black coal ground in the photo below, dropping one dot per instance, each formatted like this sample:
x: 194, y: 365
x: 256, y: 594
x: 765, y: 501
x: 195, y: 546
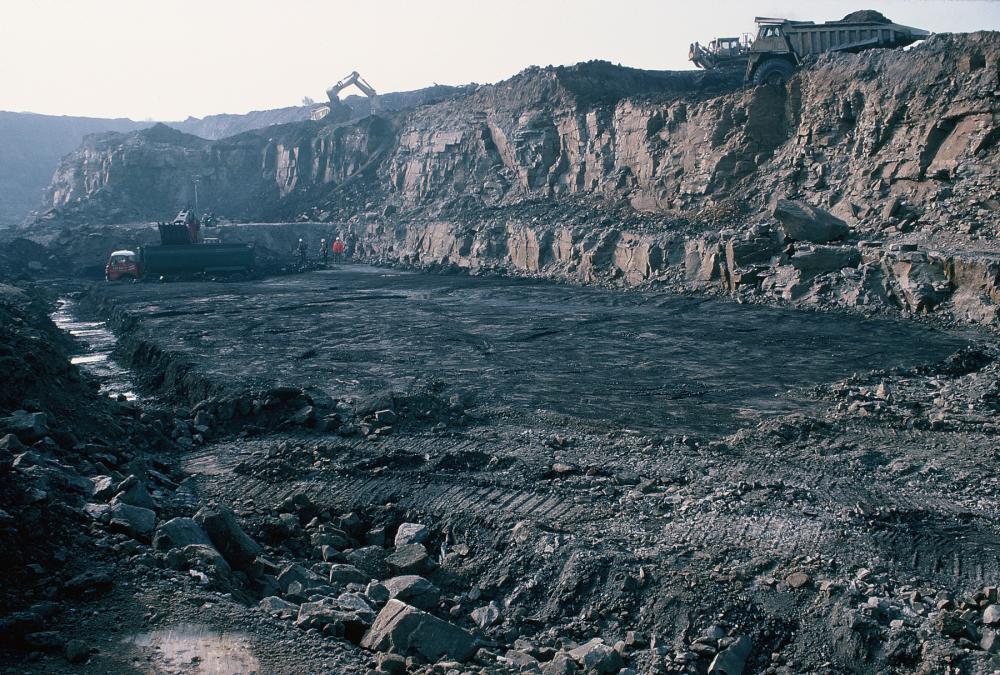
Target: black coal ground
x: 668, y: 365
x: 586, y: 483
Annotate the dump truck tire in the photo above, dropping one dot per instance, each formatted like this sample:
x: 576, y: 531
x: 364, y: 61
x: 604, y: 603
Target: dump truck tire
x: 775, y: 71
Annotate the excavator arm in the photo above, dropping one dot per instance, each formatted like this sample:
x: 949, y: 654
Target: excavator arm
x: 355, y: 79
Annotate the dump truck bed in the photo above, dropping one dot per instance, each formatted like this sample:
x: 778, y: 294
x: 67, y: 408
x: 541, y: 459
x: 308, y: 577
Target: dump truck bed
x: 195, y: 258
x: 809, y: 39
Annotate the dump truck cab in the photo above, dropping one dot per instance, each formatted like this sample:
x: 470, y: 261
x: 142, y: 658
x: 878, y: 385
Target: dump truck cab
x: 123, y: 264
x: 771, y: 37
x: 772, y: 59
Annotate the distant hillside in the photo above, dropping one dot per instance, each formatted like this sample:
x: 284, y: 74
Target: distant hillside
x: 214, y: 127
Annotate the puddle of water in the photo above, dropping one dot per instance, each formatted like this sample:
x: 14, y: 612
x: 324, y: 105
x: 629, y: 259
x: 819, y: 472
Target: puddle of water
x: 191, y: 648
x: 95, y: 358
x: 99, y: 342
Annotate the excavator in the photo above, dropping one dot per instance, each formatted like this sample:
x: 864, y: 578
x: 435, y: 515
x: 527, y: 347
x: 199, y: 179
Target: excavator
x: 337, y: 110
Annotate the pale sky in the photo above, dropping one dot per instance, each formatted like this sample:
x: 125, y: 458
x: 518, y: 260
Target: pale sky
x: 167, y: 59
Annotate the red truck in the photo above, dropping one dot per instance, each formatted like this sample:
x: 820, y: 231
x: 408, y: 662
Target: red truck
x: 122, y: 265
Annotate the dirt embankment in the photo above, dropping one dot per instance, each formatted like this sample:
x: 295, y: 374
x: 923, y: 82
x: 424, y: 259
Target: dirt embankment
x: 85, y: 481
x: 58, y: 441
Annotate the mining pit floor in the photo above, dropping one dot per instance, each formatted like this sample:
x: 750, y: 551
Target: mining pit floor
x: 538, y: 354
x: 595, y: 462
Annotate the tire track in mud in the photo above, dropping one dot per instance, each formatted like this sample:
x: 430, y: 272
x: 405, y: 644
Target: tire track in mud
x: 940, y: 546
x: 927, y: 531
x: 852, y: 517
x: 439, y: 494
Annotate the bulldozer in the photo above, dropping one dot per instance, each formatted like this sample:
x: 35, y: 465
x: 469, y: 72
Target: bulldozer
x: 782, y: 45
x: 721, y: 53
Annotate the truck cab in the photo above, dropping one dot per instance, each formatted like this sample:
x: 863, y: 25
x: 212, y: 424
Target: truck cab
x: 772, y: 59
x: 122, y: 265
x: 771, y: 37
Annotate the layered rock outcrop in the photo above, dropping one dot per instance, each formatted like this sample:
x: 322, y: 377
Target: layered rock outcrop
x: 601, y: 173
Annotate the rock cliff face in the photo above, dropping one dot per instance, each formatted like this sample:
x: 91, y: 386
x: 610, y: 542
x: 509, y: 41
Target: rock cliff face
x: 33, y: 145
x: 601, y: 173
x: 149, y: 173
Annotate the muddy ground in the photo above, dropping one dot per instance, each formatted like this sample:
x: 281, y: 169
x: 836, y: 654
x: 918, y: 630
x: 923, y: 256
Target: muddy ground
x: 543, y: 354
x: 701, y: 486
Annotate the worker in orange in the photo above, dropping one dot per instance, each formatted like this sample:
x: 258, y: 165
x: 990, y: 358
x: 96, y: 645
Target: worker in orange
x: 338, y: 249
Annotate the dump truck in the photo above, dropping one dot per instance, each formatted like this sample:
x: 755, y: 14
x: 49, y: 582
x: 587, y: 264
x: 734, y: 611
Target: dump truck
x: 782, y: 45
x: 181, y: 253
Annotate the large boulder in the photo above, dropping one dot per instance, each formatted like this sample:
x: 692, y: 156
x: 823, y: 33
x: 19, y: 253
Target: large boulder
x: 730, y: 661
x: 411, y: 533
x: 201, y: 558
x: 104, y: 486
x: 811, y: 260
x: 275, y: 606
x: 297, y: 573
x: 320, y: 613
x: 28, y: 427
x: 804, y: 222
x: 178, y: 533
x: 236, y: 547
x: 134, y: 521
x: 403, y: 629
x: 487, y: 615
x: 370, y: 560
x: 410, y: 559
x: 132, y: 491
x: 335, y: 538
x: 922, y: 284
x: 357, y: 602
x: 11, y: 443
x: 413, y: 590
x: 347, y: 574
x: 597, y: 657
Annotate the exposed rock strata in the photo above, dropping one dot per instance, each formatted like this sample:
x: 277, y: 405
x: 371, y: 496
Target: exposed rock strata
x: 597, y: 173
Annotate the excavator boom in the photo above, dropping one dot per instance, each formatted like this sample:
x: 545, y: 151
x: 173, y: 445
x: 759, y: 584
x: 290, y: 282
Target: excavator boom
x: 355, y: 79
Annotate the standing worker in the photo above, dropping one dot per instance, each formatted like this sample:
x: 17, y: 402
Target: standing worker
x: 194, y: 227
x: 324, y: 252
x: 300, y: 251
x: 338, y: 249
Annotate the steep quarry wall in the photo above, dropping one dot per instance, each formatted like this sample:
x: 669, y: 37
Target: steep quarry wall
x: 257, y: 175
x: 598, y: 173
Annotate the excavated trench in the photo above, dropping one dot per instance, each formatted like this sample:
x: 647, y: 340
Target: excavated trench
x: 97, y: 344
